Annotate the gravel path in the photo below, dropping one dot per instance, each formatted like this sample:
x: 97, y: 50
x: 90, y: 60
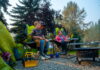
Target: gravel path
x: 60, y: 64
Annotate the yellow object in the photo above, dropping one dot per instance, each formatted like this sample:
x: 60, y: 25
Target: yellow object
x: 30, y: 29
x: 72, y: 35
x: 29, y: 54
x: 29, y: 32
x: 31, y: 63
x: 28, y: 62
x: 57, y: 29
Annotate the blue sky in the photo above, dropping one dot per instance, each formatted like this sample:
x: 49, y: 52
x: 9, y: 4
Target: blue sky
x: 92, y: 7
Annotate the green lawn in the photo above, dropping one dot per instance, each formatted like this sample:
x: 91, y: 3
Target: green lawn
x: 72, y: 52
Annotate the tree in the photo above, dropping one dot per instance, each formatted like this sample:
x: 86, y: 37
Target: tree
x: 4, y: 4
x: 73, y: 18
x: 3, y: 8
x: 27, y: 12
x: 93, y: 33
x: 24, y: 13
x: 47, y: 15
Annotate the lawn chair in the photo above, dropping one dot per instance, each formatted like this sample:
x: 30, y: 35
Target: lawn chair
x: 69, y: 46
x: 29, y: 41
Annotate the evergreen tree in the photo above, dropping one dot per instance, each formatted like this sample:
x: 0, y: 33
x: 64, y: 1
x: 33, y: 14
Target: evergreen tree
x: 47, y: 15
x: 27, y: 12
x: 3, y: 8
x: 24, y: 13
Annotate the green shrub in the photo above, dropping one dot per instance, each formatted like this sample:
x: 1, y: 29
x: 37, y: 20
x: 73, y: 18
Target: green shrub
x: 6, y: 41
x: 3, y: 65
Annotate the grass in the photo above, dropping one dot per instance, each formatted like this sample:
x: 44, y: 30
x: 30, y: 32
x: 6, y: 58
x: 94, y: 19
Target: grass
x: 72, y: 52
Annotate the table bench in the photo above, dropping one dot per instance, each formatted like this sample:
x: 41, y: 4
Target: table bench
x: 86, y: 52
x: 89, y: 52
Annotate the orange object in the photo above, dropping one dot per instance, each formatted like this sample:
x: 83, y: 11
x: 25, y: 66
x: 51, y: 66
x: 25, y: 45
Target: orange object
x: 31, y: 63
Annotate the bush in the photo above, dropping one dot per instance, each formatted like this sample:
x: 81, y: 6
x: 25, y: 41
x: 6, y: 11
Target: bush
x: 4, y: 66
x: 6, y: 41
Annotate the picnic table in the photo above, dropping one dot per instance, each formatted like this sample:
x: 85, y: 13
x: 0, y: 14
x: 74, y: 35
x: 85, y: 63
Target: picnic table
x: 86, y: 52
x: 71, y: 39
x: 87, y: 43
